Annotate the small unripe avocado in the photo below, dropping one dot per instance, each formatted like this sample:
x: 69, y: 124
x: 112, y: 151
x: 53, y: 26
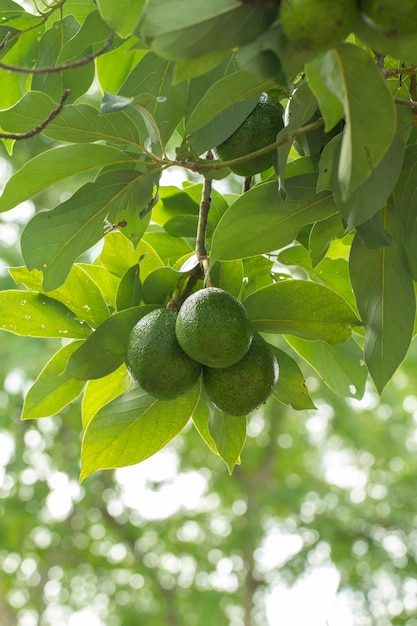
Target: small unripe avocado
x: 243, y: 387
x: 258, y: 130
x: 317, y: 25
x: 393, y: 18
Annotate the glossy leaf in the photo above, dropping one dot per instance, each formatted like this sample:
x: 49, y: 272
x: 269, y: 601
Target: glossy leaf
x: 229, y: 435
x: 228, y: 275
x: 106, y: 348
x: 386, y: 302
x: 35, y: 315
x: 53, y: 389
x: 303, y: 309
x: 266, y: 221
x: 79, y: 293
x: 130, y: 289
x: 132, y: 428
x: 341, y: 367
x: 55, y: 165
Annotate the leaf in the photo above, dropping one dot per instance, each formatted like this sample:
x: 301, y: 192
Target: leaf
x: 130, y: 289
x: 132, y: 428
x: 341, y: 367
x: 154, y: 76
x: 159, y: 285
x: 118, y: 255
x: 35, y: 315
x: 301, y: 308
x: 180, y: 30
x: 228, y: 275
x: 77, y: 123
x: 99, y: 392
x: 385, y: 297
x: 54, y: 239
x: 54, y: 165
x: 201, y: 417
x: 350, y: 74
x: 372, y: 194
x: 291, y: 389
x: 106, y: 348
x: 266, y: 221
x: 229, y: 435
x: 79, y: 293
x: 223, y: 94
x: 122, y: 16
x: 405, y: 201
x: 403, y: 47
x: 53, y: 389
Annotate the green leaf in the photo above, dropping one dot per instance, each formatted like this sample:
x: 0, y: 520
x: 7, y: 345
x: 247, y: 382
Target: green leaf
x: 35, y: 315
x: 331, y: 107
x: 77, y: 80
x: 291, y: 389
x: 118, y: 255
x: 229, y: 435
x: 77, y: 123
x: 132, y: 428
x: 154, y: 76
x: 159, y: 285
x: 201, y: 417
x: 301, y: 308
x: 385, y: 297
x: 372, y: 194
x: 53, y: 389
x: 54, y: 239
x: 99, y: 392
x: 79, y: 293
x: 180, y: 30
x: 341, y: 367
x: 220, y: 96
x: 54, y: 165
x: 105, y: 349
x: 129, y: 290
x: 351, y: 75
x: 121, y: 16
x: 266, y: 221
x: 321, y: 236
x: 228, y: 275
x: 403, y: 47
x: 405, y: 201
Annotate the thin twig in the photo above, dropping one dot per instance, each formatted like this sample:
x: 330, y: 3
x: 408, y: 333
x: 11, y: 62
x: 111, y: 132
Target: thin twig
x: 53, y: 69
x: 247, y: 181
x: 405, y: 102
x: 200, y: 244
x: 5, y: 39
x: 38, y: 129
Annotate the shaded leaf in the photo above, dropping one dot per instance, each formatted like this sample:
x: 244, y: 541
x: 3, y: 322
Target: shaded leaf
x: 129, y: 290
x: 385, y: 297
x: 291, y: 389
x: 341, y: 367
x: 106, y: 348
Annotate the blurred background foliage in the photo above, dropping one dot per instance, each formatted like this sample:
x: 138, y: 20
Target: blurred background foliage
x: 175, y: 539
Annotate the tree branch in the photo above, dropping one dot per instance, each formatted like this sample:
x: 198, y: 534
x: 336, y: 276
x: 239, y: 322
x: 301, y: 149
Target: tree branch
x: 38, y: 129
x: 53, y: 69
x: 200, y: 244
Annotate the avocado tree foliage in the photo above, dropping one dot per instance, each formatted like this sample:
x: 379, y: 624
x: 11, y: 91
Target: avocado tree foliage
x: 321, y: 249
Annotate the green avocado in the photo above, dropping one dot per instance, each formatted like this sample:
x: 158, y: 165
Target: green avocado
x: 317, y: 25
x: 258, y: 130
x: 391, y: 17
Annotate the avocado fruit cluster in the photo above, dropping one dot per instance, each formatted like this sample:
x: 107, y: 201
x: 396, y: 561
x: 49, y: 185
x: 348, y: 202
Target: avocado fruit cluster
x: 212, y: 335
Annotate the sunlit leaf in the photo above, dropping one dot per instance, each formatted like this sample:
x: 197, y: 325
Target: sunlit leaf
x: 229, y: 435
